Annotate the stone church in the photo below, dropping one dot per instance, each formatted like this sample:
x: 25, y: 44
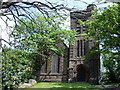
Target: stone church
x: 72, y: 66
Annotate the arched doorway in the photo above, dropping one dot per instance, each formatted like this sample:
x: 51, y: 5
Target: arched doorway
x: 82, y: 73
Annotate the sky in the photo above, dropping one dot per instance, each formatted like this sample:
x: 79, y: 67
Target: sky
x: 69, y: 3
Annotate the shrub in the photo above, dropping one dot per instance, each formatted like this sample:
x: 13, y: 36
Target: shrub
x: 15, y: 68
x: 111, y: 63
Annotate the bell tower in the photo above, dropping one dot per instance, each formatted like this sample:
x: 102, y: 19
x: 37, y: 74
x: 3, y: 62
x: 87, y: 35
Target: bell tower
x: 80, y: 69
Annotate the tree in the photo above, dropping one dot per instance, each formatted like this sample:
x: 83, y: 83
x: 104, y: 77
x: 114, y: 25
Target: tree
x: 18, y: 9
x: 105, y: 29
x: 15, y: 68
x: 21, y: 8
x: 42, y: 38
x: 33, y: 43
x: 44, y: 33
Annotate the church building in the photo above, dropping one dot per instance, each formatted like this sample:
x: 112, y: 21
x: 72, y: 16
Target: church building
x: 73, y: 66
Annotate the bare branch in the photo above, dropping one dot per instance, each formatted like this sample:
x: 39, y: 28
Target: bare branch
x: 5, y: 41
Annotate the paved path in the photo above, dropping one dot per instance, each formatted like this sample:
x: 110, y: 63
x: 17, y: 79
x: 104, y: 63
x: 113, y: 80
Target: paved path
x: 108, y: 87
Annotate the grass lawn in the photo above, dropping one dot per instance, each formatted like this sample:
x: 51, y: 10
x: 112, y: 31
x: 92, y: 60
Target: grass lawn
x: 62, y: 86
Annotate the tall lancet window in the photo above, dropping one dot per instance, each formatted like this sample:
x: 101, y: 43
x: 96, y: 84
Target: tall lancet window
x: 81, y: 50
x: 78, y: 48
x: 44, y: 68
x: 55, y: 64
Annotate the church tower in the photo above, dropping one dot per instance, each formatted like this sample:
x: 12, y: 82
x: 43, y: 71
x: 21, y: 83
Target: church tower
x: 80, y: 69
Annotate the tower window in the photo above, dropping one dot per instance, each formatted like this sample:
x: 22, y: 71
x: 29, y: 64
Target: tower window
x: 78, y: 47
x: 81, y: 44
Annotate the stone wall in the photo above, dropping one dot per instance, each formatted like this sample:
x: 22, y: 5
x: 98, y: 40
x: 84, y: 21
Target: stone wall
x: 61, y: 75
x: 82, y: 48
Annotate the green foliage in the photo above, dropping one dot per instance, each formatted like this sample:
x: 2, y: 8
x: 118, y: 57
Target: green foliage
x: 15, y: 68
x: 43, y: 35
x: 92, y: 54
x: 111, y: 62
x: 36, y: 61
x: 41, y: 38
x: 105, y: 28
